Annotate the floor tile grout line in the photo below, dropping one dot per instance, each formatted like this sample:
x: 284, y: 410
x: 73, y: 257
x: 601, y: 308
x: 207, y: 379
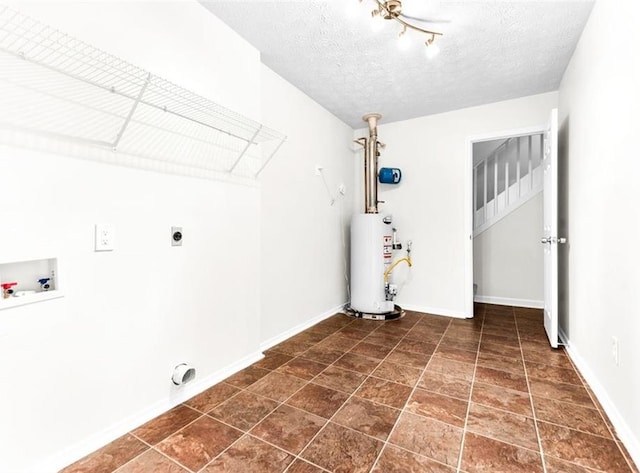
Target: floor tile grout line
x: 352, y: 395
x: 603, y: 416
x: 403, y: 409
x: 533, y: 408
x: 466, y: 418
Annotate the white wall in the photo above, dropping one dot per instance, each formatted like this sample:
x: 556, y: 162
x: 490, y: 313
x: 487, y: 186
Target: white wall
x: 303, y: 256
x: 508, y: 258
x: 80, y: 370
x: 429, y: 205
x: 599, y: 100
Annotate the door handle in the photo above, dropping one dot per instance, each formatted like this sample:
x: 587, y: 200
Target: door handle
x: 545, y: 240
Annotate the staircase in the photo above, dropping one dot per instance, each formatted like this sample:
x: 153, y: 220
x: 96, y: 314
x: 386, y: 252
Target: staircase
x: 505, y: 179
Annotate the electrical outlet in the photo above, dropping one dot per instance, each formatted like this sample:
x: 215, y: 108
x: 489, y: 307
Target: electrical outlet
x: 615, y: 353
x: 105, y: 237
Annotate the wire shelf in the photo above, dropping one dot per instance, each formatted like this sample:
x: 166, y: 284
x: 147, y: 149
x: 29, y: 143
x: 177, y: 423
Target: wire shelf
x: 58, y: 86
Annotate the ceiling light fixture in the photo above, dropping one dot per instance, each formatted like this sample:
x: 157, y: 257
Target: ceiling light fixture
x: 392, y: 10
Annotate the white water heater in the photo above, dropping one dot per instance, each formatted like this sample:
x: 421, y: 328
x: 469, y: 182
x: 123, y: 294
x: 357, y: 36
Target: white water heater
x: 371, y: 255
x: 372, y: 243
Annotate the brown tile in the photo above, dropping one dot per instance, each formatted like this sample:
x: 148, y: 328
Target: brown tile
x: 456, y: 354
x: 583, y: 449
x: 502, y: 425
x: 437, y: 406
x: 247, y: 377
x: 439, y: 366
x: 342, y: 450
x: 428, y: 437
x: 552, y: 373
x: 109, y: 457
x: 367, y: 417
x: 467, y: 345
x: 505, y: 379
x: 318, y: 400
x: 277, y: 386
x: 354, y: 332
x: 164, y: 425
x: 301, y: 466
x: 384, y: 392
x: 244, y: 410
x: 372, y: 351
x: 302, y: 368
x: 339, y: 379
x: 501, y: 398
x: 551, y: 358
x: 309, y: 336
x: 425, y: 334
x: 272, y: 360
x: 322, y: 355
x: 560, y: 392
x: 500, y: 362
x: 396, y: 460
x: 407, y: 358
x: 485, y: 455
x: 210, y: 398
x: 399, y: 373
x: 445, y: 384
x: 199, y: 443
x: 292, y: 347
x: 383, y: 339
x: 339, y: 342
x: 359, y: 363
x: 250, y: 454
x: 501, y: 340
x: 393, y: 327
x: 416, y: 346
x: 541, y: 346
x: 288, y: 428
x: 555, y: 465
x: 151, y: 461
x: 508, y: 351
x: 571, y: 415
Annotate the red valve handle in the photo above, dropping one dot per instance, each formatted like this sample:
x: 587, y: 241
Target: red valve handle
x: 8, y: 285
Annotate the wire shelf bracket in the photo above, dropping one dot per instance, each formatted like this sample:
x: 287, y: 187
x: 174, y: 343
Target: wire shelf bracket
x: 59, y: 87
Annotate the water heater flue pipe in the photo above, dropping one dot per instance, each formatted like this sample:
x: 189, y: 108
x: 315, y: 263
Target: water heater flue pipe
x: 371, y: 164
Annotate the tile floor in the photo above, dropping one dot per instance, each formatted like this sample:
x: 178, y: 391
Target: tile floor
x: 419, y: 394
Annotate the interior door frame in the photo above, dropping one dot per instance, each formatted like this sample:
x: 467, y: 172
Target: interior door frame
x: 468, y: 198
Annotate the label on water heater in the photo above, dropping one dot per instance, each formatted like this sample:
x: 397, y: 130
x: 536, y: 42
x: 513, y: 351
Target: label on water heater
x: 387, y: 250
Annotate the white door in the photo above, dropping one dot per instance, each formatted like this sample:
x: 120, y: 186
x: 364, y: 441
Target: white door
x: 550, y: 238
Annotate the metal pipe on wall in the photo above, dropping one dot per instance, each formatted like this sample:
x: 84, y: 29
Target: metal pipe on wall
x: 371, y: 164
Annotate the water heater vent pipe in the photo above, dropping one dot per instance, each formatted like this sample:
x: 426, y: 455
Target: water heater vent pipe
x: 371, y: 154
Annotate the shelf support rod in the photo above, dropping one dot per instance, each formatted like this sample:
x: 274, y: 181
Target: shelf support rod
x: 131, y: 112
x: 249, y: 143
x: 264, y: 165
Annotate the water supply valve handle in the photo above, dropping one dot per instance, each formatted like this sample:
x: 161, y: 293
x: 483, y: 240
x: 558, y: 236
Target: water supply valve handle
x: 44, y: 283
x: 6, y: 289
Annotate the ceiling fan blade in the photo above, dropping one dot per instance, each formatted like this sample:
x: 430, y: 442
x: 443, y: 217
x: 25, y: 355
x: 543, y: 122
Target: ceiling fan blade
x: 426, y: 20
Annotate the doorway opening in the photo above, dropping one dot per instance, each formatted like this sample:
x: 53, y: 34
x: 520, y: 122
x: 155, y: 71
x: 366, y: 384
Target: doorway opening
x: 505, y: 218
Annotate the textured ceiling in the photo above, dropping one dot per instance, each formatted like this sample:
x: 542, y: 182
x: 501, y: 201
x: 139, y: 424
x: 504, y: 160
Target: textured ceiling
x: 491, y: 51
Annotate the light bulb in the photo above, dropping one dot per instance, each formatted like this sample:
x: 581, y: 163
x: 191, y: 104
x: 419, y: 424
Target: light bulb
x: 404, y: 42
x: 432, y: 50
x: 377, y: 22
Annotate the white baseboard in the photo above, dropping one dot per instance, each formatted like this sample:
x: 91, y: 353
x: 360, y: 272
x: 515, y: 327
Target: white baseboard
x: 98, y: 440
x: 530, y: 303
x: 458, y: 314
x: 273, y: 341
x: 624, y: 432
